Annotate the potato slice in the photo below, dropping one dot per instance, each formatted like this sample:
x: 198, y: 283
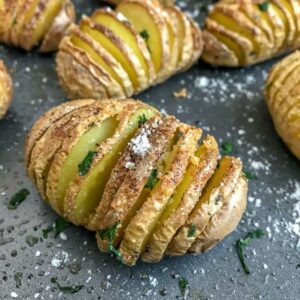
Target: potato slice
x: 201, y: 167
x: 120, y: 50
x: 145, y: 151
x: 120, y: 82
x: 58, y: 28
x: 225, y: 220
x: 117, y: 23
x: 6, y: 90
x: 146, y: 19
x: 219, y: 187
x: 141, y: 226
x: 45, y: 149
x: 85, y: 192
x: 92, y: 131
x: 78, y: 75
x: 46, y: 120
x: 184, y: 33
x: 217, y: 52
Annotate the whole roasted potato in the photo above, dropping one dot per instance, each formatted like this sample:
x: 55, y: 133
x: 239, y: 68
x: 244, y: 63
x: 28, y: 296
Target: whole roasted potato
x: 6, y: 89
x: 120, y: 53
x: 137, y: 177
x: 41, y: 23
x: 245, y: 32
x: 282, y: 94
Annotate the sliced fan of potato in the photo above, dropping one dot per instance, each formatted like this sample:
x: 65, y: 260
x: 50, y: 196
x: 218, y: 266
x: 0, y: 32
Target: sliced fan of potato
x: 145, y: 150
x: 6, y: 89
x: 117, y: 23
x: 85, y: 192
x: 93, y: 130
x: 218, y: 188
x: 120, y: 85
x: 201, y: 167
x: 45, y: 121
x: 147, y: 20
x: 141, y: 226
x: 120, y: 50
x: 225, y: 220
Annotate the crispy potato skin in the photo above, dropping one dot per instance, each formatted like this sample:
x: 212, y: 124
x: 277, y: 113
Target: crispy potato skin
x: 158, y: 184
x: 6, y: 89
x: 282, y: 95
x: 18, y: 28
x: 147, y: 59
x: 246, y: 32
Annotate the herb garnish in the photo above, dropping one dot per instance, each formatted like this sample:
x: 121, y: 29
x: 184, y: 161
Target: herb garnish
x: 183, y: 286
x: 264, y: 6
x: 85, y: 165
x: 145, y: 35
x: 67, y: 289
x: 192, y: 230
x: 227, y: 148
x: 152, y: 180
x: 17, y: 199
x: 241, y: 244
x: 58, y: 226
x: 249, y: 175
x: 110, y: 234
x: 142, y: 120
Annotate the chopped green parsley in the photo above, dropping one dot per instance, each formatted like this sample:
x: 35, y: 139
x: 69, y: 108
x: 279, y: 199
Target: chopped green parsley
x: 17, y: 199
x: 142, y: 120
x: 227, y: 148
x: 264, y: 6
x: 85, y: 165
x: 59, y: 225
x: 67, y: 289
x: 145, y: 35
x: 152, y: 180
x: 249, y: 175
x: 192, y: 230
x: 241, y: 244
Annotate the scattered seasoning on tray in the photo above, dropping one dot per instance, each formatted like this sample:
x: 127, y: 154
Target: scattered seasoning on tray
x: 18, y: 279
x: 192, y: 230
x: 181, y: 93
x: 31, y: 240
x: 152, y: 180
x: 17, y: 199
x: 67, y: 289
x: 226, y: 148
x: 142, y: 120
x: 264, y: 6
x: 85, y: 165
x: 241, y: 244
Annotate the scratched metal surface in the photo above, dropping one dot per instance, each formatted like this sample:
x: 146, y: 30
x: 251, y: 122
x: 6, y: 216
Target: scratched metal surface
x: 226, y: 103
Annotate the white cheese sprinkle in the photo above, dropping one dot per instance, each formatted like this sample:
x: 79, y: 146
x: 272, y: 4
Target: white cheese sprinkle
x: 140, y: 144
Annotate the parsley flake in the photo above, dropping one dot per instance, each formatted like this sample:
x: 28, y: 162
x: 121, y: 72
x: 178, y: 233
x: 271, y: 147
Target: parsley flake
x: 192, y: 230
x: 184, y: 287
x: 241, y: 244
x: 17, y: 199
x: 264, y: 6
x: 58, y: 226
x: 145, y: 35
x: 152, y: 180
x: 249, y: 175
x: 142, y: 120
x: 67, y: 289
x: 85, y: 165
x: 227, y: 148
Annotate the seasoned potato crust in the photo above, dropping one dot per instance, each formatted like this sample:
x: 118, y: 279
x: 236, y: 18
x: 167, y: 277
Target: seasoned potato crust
x: 6, y: 90
x: 41, y: 23
x: 123, y: 52
x: 246, y: 32
x: 138, y: 178
x: 282, y: 94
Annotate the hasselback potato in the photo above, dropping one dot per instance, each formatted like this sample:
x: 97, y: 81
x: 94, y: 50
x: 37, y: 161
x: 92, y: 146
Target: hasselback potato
x: 118, y: 53
x: 6, y: 89
x: 35, y: 23
x: 245, y: 32
x: 163, y: 2
x: 282, y: 94
x: 145, y: 182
